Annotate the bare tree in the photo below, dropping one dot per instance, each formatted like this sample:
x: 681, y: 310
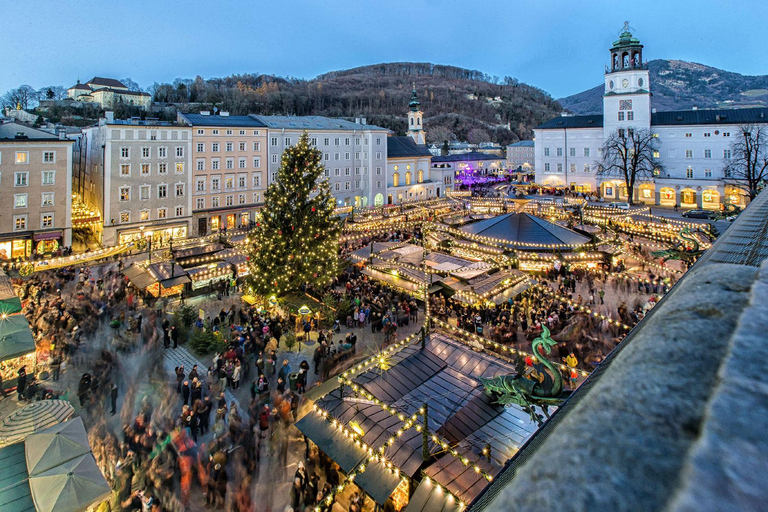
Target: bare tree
x: 25, y: 97
x: 747, y: 168
x: 131, y: 85
x: 628, y: 154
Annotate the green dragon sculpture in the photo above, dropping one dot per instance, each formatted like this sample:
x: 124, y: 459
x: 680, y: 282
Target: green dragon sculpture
x: 686, y: 248
x: 528, y: 393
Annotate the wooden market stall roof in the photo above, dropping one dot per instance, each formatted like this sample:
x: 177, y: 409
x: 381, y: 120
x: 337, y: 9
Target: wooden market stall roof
x: 445, y: 376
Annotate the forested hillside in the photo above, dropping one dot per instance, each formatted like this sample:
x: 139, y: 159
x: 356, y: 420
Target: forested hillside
x: 457, y: 103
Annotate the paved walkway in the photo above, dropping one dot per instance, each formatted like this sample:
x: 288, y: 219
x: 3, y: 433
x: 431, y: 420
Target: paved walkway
x: 180, y: 355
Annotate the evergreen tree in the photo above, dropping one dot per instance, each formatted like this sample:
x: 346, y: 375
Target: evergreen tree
x: 297, y: 239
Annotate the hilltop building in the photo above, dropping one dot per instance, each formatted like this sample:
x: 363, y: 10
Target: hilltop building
x: 108, y: 93
x: 695, y: 145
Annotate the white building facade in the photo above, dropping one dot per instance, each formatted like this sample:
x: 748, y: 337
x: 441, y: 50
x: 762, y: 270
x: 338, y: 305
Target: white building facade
x: 144, y: 180
x: 354, y: 154
x: 693, y: 146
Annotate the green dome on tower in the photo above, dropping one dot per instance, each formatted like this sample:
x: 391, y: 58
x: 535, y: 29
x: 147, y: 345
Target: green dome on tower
x: 414, y: 103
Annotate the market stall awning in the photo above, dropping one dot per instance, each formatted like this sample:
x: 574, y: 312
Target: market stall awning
x: 378, y: 482
x: 15, y: 495
x: 170, y: 283
x: 15, y: 337
x: 338, y: 447
x: 139, y: 277
x: 33, y: 418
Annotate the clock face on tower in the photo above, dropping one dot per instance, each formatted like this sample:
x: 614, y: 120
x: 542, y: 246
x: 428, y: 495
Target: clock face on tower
x: 625, y: 83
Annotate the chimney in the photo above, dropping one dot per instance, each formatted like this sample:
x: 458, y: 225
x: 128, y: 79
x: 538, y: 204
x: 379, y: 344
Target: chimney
x: 653, y: 111
x: 694, y: 108
x: 110, y: 115
x: 205, y: 112
x: 224, y: 114
x: 363, y: 120
x: 62, y: 134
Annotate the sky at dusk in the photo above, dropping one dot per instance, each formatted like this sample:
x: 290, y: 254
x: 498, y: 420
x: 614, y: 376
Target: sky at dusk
x: 559, y: 46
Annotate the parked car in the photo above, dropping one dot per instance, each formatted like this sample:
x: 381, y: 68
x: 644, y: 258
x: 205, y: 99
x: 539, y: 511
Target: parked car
x: 620, y: 206
x: 699, y: 214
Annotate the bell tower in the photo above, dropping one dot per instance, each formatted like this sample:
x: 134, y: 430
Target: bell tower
x: 627, y: 97
x: 415, y: 128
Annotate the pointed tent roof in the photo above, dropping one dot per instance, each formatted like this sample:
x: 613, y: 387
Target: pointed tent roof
x: 62, y: 442
x: 69, y: 487
x: 526, y: 229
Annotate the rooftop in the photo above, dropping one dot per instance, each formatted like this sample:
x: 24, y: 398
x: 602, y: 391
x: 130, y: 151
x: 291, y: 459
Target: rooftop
x: 727, y: 116
x: 208, y: 120
x: 522, y: 144
x: 313, y: 123
x: 106, y: 82
x: 527, y: 230
x: 12, y: 130
x: 399, y: 147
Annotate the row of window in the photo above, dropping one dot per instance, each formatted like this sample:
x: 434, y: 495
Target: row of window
x: 22, y: 200
x: 229, y: 146
x: 20, y: 222
x: 146, y: 152
x: 146, y: 169
x: 629, y: 117
x: 144, y: 215
x: 229, y: 182
x: 229, y: 200
x: 348, y: 171
x: 408, y: 178
x: 571, y: 152
x: 326, y: 141
x: 22, y: 157
x: 706, y: 134
x: 573, y: 167
x: 229, y: 163
x: 21, y: 179
x: 145, y: 191
x: 215, y: 131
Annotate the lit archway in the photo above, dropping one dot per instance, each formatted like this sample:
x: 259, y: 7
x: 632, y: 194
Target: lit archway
x: 710, y: 200
x: 667, y: 196
x: 378, y: 200
x: 408, y: 178
x: 688, y: 198
x: 396, y: 179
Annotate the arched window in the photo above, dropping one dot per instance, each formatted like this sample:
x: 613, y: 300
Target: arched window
x: 408, y: 178
x: 411, y: 121
x: 420, y: 176
x: 396, y: 179
x: 408, y: 167
x: 395, y: 168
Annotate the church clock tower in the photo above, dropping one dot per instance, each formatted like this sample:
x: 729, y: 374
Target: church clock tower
x: 627, y: 97
x: 415, y: 129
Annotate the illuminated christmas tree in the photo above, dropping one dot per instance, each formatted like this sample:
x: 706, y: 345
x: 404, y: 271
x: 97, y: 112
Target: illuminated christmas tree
x: 297, y: 238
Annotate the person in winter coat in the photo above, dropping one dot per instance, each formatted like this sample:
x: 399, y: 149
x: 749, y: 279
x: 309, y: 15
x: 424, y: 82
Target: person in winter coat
x: 236, y: 375
x: 264, y: 421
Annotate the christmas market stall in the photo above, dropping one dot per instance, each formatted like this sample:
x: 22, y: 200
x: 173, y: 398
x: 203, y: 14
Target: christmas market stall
x: 416, y: 415
x: 170, y: 278
x: 17, y: 347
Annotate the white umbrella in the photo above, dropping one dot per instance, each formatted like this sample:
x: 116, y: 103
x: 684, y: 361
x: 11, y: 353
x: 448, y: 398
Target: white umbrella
x: 33, y: 418
x: 60, y: 443
x: 69, y: 487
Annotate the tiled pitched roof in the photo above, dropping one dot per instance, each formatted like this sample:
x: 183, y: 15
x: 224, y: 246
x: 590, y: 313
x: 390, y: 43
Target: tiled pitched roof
x: 404, y: 147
